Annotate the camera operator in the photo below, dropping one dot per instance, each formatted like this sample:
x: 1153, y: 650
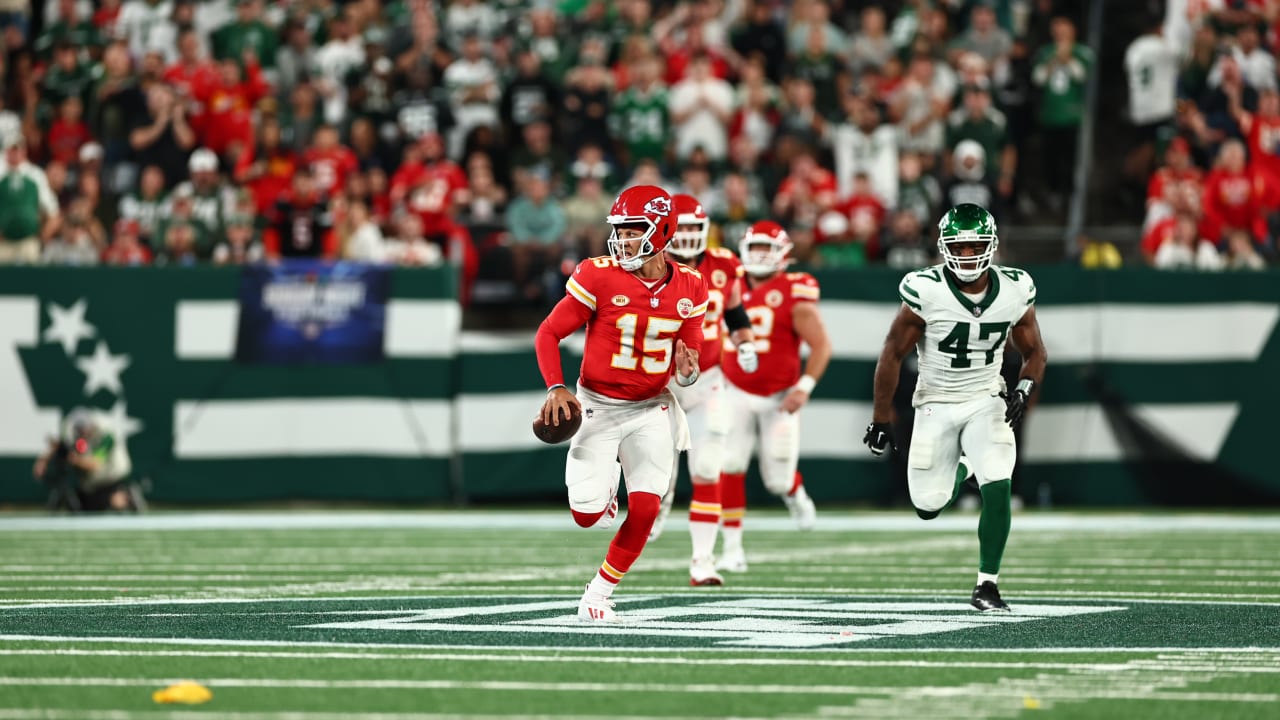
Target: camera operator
x: 87, y: 469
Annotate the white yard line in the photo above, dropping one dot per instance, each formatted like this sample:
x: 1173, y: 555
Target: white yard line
x: 1199, y: 663
x: 489, y: 685
x: 641, y: 594
x: 214, y: 642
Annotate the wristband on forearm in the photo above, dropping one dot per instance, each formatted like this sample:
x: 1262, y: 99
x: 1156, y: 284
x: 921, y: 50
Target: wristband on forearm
x: 806, y: 383
x: 1025, y: 386
x: 553, y: 387
x: 736, y: 318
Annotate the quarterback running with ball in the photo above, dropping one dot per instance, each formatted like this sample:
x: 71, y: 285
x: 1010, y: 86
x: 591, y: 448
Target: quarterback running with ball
x: 644, y: 322
x: 958, y: 315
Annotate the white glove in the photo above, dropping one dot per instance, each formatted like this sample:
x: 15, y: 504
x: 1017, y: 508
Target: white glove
x: 748, y: 360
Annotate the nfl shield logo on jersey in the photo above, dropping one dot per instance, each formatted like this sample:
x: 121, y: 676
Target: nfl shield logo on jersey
x: 977, y: 312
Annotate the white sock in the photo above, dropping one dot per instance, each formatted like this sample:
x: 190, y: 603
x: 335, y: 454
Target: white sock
x: 600, y: 586
x: 984, y: 577
x: 703, y: 537
x: 732, y: 538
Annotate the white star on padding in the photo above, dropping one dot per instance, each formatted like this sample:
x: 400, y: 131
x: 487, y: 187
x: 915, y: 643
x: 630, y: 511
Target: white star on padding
x: 102, y: 370
x: 67, y: 326
x: 117, y: 420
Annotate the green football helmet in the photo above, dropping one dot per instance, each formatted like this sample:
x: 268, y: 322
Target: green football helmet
x: 967, y: 224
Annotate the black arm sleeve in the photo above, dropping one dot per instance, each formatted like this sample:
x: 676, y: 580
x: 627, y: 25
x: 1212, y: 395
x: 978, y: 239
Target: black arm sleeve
x: 736, y: 318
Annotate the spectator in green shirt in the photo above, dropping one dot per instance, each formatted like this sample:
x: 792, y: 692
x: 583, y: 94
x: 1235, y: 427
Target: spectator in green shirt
x: 982, y: 123
x: 247, y: 34
x: 1060, y: 70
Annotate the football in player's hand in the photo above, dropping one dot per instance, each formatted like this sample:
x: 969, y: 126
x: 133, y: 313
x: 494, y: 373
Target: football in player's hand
x: 553, y: 434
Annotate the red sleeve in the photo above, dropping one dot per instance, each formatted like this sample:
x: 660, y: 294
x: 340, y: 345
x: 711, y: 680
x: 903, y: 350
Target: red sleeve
x: 329, y: 244
x: 1209, y: 204
x: 1155, y: 188
x: 1151, y: 241
x: 567, y: 316
x: 271, y: 242
x: 244, y: 162
x: 255, y: 87
x: 691, y: 328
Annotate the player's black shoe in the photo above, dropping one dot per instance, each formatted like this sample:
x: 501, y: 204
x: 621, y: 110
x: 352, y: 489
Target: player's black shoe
x: 986, y: 597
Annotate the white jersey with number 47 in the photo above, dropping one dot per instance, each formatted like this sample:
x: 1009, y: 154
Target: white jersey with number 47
x: 963, y: 344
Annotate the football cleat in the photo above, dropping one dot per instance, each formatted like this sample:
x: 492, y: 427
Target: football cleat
x: 596, y: 608
x: 610, y: 514
x: 986, y: 597
x: 802, y: 509
x: 702, y: 571
x: 733, y: 559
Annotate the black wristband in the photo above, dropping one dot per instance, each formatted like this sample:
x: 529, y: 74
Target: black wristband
x: 736, y: 318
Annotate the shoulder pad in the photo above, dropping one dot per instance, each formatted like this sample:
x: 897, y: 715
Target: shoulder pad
x: 1020, y: 281
x: 720, y: 252
x: 917, y: 285
x: 585, y: 281
x: 803, y: 286
x: 681, y: 267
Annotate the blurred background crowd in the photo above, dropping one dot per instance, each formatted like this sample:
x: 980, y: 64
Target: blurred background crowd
x: 494, y: 135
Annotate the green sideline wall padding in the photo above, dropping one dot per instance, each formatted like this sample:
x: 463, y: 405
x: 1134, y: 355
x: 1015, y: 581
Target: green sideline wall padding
x: 1157, y: 392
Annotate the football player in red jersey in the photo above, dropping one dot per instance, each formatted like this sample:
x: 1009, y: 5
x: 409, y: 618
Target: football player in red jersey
x: 703, y: 403
x: 644, y: 321
x: 763, y: 405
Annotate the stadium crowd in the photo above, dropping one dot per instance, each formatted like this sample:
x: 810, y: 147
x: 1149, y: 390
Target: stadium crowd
x: 1203, y: 92
x: 494, y: 134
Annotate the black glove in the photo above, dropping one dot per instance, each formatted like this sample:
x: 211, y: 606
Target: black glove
x: 879, y: 438
x: 1015, y: 401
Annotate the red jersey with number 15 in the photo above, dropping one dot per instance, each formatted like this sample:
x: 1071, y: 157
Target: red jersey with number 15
x: 770, y: 306
x: 722, y: 270
x: 632, y: 331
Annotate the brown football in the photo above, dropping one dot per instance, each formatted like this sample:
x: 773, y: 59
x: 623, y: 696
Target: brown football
x: 553, y: 434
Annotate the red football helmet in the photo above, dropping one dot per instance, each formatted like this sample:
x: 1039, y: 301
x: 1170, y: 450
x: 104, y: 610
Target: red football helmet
x: 692, y: 242
x: 648, y: 206
x: 764, y: 249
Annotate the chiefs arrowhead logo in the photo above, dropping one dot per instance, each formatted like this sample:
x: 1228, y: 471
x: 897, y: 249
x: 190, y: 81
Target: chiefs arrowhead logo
x: 658, y: 206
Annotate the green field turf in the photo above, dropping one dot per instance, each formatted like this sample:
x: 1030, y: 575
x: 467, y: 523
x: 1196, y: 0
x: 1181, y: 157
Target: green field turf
x: 306, y: 616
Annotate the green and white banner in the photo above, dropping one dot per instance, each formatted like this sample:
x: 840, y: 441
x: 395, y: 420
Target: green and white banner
x: 1157, y: 392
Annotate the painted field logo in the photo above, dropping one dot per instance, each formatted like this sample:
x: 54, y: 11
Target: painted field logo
x: 741, y: 622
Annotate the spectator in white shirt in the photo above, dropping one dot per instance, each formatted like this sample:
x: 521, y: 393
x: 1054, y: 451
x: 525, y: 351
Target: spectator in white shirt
x: 138, y: 21
x: 473, y: 90
x: 343, y: 52
x: 701, y: 106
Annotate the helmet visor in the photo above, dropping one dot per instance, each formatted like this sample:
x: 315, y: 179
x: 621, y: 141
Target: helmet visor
x: 763, y: 254
x: 630, y: 243
x: 968, y: 254
x: 690, y: 239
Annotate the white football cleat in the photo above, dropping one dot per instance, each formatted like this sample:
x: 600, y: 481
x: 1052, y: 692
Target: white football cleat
x: 656, y: 531
x: 802, y: 509
x: 610, y: 514
x: 733, y: 559
x: 596, y: 608
x: 702, y: 571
